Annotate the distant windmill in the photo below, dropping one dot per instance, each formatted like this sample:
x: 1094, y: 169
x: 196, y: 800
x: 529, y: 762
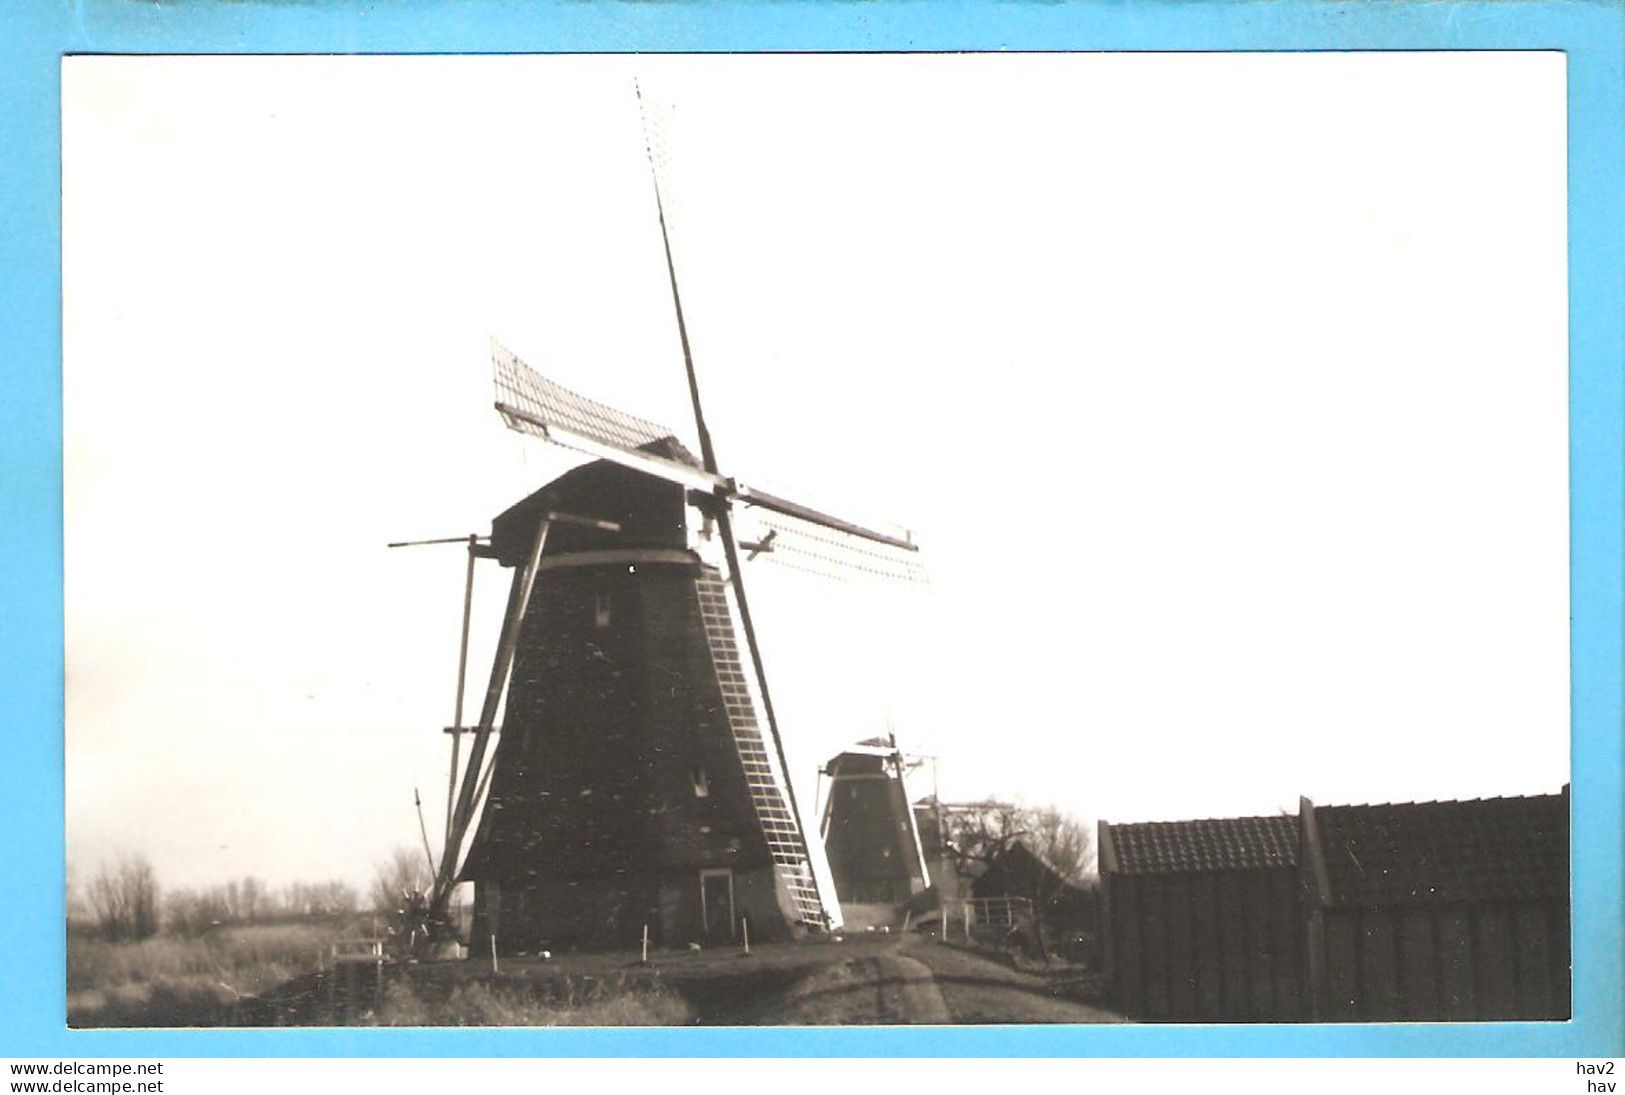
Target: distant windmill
x: 870, y: 834
x: 633, y: 790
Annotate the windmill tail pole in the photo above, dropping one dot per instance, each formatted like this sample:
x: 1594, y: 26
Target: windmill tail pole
x: 708, y: 458
x: 424, y: 830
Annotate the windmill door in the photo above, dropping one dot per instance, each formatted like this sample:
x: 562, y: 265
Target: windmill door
x: 717, y: 904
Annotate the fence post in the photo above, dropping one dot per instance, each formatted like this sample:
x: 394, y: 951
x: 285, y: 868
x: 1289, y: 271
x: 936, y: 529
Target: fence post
x: 744, y: 924
x: 494, y: 967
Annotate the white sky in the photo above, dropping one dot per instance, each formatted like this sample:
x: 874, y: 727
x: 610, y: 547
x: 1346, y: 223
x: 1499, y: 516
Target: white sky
x: 1226, y: 393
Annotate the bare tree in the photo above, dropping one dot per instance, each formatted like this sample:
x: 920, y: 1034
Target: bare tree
x: 979, y: 833
x: 1060, y: 852
x: 1062, y: 841
x: 398, y: 878
x: 251, y: 900
x: 124, y: 899
x: 74, y: 903
x: 337, y: 897
x: 190, y: 912
x: 316, y: 899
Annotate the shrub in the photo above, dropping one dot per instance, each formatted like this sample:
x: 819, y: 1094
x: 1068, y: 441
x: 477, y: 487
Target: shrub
x: 573, y: 1003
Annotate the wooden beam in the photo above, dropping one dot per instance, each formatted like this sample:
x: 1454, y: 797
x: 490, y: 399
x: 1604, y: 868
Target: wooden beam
x: 1313, y: 855
x: 1316, y: 888
x: 752, y: 497
x: 518, y: 600
x: 1106, y: 846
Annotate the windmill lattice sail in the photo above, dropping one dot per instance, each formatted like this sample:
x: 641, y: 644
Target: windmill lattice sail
x: 816, y: 549
x: 529, y: 403
x: 813, y: 540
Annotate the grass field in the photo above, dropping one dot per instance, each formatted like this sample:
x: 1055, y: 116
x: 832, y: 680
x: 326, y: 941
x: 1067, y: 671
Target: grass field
x: 274, y: 976
x: 173, y: 980
x: 619, y: 1002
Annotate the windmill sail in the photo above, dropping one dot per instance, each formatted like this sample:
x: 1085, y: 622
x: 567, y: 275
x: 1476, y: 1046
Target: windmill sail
x: 830, y: 553
x: 531, y: 404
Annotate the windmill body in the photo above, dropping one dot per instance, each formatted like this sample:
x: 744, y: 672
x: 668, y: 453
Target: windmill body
x: 639, y: 790
x: 633, y: 786
x: 869, y: 831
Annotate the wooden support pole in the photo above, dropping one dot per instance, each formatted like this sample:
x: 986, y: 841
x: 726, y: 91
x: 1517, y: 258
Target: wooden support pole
x: 462, y: 679
x: 1315, y: 885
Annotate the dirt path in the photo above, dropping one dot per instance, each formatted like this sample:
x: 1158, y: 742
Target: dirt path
x: 977, y: 989
x: 909, y: 983
x: 884, y: 988
x: 913, y: 980
x: 870, y: 980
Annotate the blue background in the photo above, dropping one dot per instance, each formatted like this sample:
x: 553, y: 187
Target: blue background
x: 31, y: 806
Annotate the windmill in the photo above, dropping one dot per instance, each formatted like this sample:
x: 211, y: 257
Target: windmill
x: 633, y: 791
x: 868, y: 828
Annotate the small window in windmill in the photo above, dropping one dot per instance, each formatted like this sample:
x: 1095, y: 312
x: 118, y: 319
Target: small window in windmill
x: 702, y: 787
x: 601, y: 610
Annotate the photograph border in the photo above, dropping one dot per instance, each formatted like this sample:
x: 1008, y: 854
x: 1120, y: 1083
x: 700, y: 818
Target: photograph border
x: 42, y: 32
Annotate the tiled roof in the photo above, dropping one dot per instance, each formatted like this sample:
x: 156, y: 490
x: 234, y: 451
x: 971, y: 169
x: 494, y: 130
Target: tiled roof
x: 1483, y: 849
x: 1232, y: 843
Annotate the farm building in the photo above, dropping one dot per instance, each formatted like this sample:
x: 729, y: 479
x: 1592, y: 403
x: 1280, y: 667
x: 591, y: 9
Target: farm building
x: 1069, y: 911
x: 1439, y: 910
x: 1414, y: 911
x: 1020, y: 872
x: 1202, y: 919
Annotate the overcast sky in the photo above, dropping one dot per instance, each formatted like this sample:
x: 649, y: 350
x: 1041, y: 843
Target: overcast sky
x: 1226, y: 395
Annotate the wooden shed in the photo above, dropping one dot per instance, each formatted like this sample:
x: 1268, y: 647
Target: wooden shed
x: 1412, y: 911
x: 1202, y: 920
x: 1439, y: 910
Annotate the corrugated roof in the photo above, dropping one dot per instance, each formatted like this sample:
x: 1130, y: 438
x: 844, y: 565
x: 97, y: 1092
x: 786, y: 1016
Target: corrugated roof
x: 1482, y: 849
x: 1215, y: 844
